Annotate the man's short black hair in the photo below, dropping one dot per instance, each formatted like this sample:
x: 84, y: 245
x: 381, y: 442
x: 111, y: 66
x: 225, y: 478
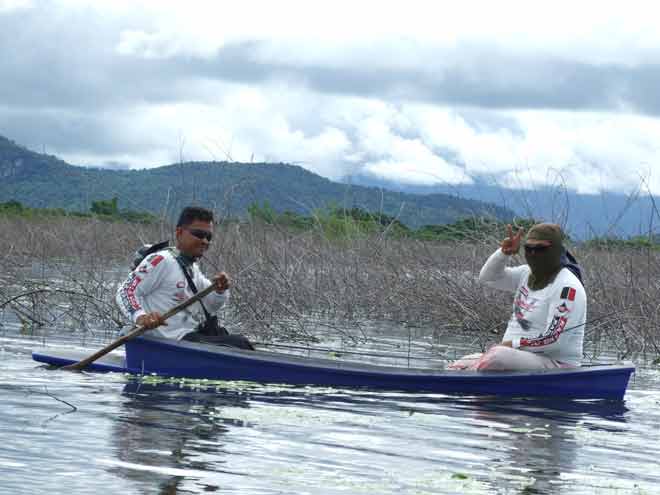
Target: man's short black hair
x: 192, y: 213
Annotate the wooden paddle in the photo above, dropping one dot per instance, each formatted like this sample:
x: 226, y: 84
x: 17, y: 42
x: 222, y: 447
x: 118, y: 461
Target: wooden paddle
x: 136, y: 331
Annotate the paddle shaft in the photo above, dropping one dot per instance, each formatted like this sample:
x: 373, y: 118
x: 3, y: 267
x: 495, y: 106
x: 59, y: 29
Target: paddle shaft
x: 137, y: 331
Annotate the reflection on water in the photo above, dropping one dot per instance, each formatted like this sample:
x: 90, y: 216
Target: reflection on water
x: 164, y: 422
x: 349, y: 440
x: 89, y: 433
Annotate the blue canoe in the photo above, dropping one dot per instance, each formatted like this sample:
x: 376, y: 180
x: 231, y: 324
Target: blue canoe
x: 193, y: 360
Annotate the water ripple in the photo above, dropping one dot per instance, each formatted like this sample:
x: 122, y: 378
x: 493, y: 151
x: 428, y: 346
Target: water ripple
x: 86, y: 432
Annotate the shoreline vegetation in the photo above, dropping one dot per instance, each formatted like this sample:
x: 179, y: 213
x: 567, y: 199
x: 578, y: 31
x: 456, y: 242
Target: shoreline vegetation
x: 334, y: 273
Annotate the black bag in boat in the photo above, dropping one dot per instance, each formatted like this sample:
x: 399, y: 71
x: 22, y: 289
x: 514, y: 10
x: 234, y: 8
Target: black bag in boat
x: 211, y: 327
x: 218, y: 336
x: 209, y: 331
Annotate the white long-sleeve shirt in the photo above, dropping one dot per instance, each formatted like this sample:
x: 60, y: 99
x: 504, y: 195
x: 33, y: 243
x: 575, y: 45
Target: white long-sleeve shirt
x: 158, y: 284
x: 549, y: 321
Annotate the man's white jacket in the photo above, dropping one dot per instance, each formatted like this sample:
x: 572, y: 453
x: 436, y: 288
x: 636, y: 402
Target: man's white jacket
x: 159, y: 284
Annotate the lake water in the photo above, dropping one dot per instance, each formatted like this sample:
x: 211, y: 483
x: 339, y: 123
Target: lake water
x: 81, y: 433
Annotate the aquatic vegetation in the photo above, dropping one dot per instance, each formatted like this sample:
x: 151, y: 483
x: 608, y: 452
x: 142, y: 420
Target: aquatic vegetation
x: 304, y: 287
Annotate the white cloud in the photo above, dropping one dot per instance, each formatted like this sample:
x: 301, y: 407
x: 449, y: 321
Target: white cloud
x: 343, y: 33
x: 589, y: 152
x: 409, y: 143
x: 11, y: 5
x: 196, y: 114
x: 149, y: 45
x: 242, y: 124
x: 392, y: 34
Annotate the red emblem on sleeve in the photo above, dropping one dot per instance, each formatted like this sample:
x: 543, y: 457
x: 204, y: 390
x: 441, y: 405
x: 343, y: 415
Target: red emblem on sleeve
x: 156, y: 260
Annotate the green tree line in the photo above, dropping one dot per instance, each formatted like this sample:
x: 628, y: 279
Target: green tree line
x: 105, y: 209
x: 335, y: 222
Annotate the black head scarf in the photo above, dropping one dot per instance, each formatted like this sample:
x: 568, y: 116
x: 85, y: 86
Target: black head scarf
x: 544, y: 264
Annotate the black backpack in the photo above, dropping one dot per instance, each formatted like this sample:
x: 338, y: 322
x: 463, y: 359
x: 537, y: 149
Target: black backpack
x: 567, y: 260
x: 145, y: 251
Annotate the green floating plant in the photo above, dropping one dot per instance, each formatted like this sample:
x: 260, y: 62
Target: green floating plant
x: 459, y: 476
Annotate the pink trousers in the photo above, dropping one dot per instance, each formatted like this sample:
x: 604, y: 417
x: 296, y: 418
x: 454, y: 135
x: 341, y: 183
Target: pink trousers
x: 502, y: 358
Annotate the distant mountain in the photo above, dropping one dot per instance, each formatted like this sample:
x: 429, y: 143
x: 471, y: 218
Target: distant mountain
x: 583, y: 215
x: 40, y: 180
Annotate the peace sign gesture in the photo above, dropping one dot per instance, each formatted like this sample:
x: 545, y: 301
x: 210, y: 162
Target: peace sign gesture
x: 511, y: 244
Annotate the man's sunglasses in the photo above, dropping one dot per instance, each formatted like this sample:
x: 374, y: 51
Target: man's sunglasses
x: 201, y: 234
x: 536, y: 248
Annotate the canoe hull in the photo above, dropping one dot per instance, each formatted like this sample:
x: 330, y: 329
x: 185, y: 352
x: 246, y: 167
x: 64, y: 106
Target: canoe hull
x: 211, y: 362
x: 192, y: 360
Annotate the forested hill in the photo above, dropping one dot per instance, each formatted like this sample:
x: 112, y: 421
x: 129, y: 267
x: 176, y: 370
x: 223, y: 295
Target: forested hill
x: 40, y: 180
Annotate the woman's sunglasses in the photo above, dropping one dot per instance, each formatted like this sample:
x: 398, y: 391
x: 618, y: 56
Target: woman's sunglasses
x: 536, y: 248
x: 201, y: 234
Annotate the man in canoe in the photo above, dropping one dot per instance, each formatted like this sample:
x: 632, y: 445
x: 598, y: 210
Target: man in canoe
x: 170, y: 276
x: 546, y: 328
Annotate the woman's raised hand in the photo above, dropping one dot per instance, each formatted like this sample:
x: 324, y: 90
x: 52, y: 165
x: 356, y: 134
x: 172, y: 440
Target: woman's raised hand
x: 511, y: 244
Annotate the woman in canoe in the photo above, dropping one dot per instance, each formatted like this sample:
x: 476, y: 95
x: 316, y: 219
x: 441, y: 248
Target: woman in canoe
x: 546, y: 328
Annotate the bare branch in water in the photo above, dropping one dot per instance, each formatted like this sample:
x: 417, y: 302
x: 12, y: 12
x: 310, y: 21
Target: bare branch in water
x: 306, y: 286
x: 74, y: 408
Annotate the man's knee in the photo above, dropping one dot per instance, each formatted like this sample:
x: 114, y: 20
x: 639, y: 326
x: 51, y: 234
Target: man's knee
x: 465, y: 363
x: 502, y: 358
x: 498, y: 358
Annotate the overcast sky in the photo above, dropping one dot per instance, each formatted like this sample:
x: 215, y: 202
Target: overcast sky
x: 524, y: 93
